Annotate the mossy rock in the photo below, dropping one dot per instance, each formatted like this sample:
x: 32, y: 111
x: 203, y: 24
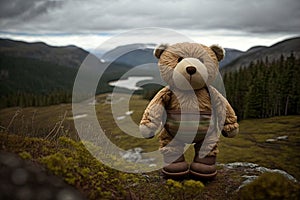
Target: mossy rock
x: 271, y: 186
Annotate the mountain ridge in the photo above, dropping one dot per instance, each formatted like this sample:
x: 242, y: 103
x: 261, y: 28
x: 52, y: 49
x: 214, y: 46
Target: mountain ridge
x: 254, y: 54
x: 139, y: 54
x: 69, y: 56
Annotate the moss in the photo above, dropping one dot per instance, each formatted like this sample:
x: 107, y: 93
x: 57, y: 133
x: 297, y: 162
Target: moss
x: 71, y: 161
x: 270, y: 186
x: 188, y: 189
x: 193, y: 185
x: 25, y: 155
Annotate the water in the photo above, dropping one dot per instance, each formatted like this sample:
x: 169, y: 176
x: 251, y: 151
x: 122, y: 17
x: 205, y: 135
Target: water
x: 130, y: 82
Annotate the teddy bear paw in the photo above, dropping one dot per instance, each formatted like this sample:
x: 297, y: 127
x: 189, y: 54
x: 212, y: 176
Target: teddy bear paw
x: 231, y: 133
x: 146, y: 132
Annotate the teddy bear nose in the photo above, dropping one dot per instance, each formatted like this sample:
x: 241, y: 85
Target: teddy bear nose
x: 191, y: 70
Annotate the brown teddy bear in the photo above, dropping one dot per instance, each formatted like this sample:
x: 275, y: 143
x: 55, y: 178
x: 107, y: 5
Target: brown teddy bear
x: 189, y: 110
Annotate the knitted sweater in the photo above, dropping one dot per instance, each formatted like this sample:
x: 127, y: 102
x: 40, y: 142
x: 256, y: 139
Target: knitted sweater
x: 188, y: 126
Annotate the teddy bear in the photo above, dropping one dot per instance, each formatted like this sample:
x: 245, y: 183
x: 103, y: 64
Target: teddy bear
x: 189, y: 110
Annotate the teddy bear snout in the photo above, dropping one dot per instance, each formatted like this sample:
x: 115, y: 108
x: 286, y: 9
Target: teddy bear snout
x: 191, y: 70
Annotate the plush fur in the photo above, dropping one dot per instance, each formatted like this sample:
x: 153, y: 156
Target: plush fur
x: 189, y: 69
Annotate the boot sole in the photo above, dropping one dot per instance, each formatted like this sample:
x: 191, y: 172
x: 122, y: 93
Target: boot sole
x: 203, y: 176
x: 175, y: 174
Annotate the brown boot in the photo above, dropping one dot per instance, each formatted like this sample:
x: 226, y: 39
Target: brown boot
x: 177, y: 169
x: 203, y: 168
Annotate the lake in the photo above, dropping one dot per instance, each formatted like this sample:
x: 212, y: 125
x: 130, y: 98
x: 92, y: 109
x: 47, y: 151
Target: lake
x: 130, y: 82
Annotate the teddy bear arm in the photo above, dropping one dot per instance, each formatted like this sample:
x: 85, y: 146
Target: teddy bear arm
x: 231, y: 127
x: 153, y: 114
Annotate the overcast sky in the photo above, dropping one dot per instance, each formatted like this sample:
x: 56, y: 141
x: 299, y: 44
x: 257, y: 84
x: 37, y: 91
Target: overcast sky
x: 231, y: 23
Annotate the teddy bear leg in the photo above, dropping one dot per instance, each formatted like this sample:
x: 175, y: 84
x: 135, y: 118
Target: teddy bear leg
x: 204, y: 168
x: 175, y: 165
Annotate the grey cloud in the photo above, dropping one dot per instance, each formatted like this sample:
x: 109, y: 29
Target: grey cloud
x: 256, y: 16
x: 25, y: 9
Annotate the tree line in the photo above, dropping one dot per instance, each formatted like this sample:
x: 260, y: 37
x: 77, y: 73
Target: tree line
x: 265, y: 89
x: 25, y: 99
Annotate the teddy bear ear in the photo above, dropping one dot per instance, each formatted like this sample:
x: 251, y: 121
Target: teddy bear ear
x: 159, y: 50
x: 219, y: 51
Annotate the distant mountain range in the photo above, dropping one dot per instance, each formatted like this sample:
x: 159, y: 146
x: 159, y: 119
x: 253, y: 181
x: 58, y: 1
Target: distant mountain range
x: 230, y: 55
x: 139, y: 54
x: 257, y: 53
x: 69, y: 56
x: 131, y: 54
x: 38, y: 67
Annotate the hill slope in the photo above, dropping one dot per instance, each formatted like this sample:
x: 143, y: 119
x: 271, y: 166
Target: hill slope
x: 69, y: 56
x: 230, y: 55
x: 29, y: 71
x: 139, y: 54
x: 30, y: 75
x: 254, y: 54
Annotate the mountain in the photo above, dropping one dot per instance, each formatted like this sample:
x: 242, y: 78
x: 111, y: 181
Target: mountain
x: 35, y: 70
x: 254, y: 54
x: 29, y: 74
x: 40, y: 69
x: 69, y: 56
x: 139, y: 54
x: 131, y: 54
x: 256, y: 48
x: 136, y: 59
x: 230, y: 55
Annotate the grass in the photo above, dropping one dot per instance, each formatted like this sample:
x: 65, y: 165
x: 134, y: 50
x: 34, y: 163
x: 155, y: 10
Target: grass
x: 71, y: 161
x: 76, y: 166
x: 251, y: 146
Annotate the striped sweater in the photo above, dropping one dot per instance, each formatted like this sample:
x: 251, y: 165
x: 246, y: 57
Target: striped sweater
x: 188, y: 126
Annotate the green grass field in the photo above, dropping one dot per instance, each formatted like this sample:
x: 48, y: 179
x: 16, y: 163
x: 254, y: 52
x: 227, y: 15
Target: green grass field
x: 56, y: 121
x: 251, y: 146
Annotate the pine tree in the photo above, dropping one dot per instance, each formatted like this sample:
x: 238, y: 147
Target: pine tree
x: 264, y: 88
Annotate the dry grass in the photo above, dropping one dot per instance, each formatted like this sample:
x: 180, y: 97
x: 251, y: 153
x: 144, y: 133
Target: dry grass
x: 249, y: 146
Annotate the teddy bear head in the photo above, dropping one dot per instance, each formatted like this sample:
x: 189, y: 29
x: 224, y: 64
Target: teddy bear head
x: 189, y: 66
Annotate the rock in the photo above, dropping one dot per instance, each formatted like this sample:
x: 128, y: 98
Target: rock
x: 251, y: 171
x: 270, y: 140
x: 248, y: 179
x: 285, y: 137
x: 132, y: 156
x: 129, y: 112
x: 21, y: 179
x: 240, y: 164
x: 135, y: 156
x: 121, y: 118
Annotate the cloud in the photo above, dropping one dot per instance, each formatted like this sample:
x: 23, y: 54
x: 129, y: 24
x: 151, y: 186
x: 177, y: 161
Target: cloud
x: 20, y: 9
x: 74, y: 16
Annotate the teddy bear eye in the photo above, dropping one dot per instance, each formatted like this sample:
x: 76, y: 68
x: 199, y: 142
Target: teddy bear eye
x: 179, y: 59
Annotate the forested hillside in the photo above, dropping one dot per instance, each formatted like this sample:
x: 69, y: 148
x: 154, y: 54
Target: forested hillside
x: 69, y: 56
x: 31, y: 82
x: 264, y: 88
